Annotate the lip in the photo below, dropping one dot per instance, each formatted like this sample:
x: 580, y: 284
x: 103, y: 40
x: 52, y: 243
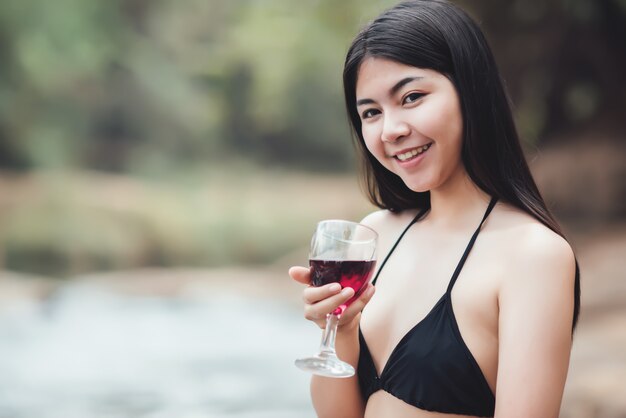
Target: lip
x: 413, y: 162
x: 405, y: 150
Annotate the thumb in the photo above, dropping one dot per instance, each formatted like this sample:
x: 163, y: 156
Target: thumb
x: 300, y: 274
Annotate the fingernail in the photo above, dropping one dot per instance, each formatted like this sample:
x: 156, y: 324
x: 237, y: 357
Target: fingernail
x: 347, y: 291
x: 335, y: 287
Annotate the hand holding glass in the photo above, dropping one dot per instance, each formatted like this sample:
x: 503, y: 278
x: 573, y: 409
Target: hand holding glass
x: 341, y: 252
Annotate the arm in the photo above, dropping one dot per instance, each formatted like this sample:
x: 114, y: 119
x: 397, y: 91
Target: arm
x: 332, y: 397
x: 536, y: 303
x: 340, y: 398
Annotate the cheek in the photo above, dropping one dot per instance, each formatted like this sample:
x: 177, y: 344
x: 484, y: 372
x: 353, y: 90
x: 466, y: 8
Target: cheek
x: 440, y: 121
x: 371, y: 138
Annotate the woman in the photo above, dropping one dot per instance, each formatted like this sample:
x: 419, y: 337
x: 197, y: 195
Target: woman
x: 477, y: 294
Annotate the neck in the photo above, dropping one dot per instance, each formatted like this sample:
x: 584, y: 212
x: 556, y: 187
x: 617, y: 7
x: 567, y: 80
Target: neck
x: 457, y: 203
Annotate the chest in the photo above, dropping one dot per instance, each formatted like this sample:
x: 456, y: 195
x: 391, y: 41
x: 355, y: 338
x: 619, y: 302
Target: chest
x: 416, y: 277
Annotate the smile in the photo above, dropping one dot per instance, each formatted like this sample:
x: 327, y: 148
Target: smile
x: 412, y: 153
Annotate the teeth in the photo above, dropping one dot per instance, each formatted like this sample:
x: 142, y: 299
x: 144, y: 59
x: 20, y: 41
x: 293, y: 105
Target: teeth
x: 409, y: 154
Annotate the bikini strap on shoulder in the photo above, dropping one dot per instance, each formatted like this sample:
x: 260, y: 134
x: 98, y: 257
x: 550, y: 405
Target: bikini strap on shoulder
x: 415, y: 219
x: 459, y: 266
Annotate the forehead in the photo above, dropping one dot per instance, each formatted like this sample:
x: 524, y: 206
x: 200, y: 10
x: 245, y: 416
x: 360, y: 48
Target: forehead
x: 380, y: 73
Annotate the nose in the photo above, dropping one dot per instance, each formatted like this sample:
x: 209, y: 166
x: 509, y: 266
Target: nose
x: 394, y: 129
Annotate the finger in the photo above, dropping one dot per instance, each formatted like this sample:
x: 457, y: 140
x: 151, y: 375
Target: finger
x: 300, y: 274
x: 358, y: 305
x: 312, y: 295
x: 325, y: 306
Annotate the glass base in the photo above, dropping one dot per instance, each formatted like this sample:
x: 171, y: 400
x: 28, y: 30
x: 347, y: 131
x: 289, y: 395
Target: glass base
x: 325, y: 364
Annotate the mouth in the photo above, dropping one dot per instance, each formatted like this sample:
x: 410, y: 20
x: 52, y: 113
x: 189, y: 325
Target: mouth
x: 412, y: 153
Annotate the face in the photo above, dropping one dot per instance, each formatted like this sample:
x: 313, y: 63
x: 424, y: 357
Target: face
x: 411, y: 122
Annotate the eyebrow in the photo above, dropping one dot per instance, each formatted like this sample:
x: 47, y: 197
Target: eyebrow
x: 393, y: 90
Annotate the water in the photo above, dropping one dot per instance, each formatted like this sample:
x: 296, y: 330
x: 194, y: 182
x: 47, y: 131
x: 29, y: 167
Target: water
x: 87, y: 352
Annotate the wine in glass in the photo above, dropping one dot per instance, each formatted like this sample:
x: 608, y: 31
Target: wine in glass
x: 341, y: 252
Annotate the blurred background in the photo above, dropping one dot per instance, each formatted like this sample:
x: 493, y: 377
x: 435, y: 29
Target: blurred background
x: 163, y: 163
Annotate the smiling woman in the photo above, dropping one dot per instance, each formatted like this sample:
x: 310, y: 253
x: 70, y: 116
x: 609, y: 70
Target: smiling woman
x: 478, y: 294
x: 425, y: 106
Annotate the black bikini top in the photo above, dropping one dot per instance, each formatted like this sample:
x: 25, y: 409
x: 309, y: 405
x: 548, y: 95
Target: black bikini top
x: 432, y: 368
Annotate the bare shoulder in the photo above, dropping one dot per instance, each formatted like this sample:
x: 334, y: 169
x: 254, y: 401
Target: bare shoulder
x: 533, y: 252
x: 388, y: 225
x: 384, y: 219
x: 536, y: 308
x: 377, y: 218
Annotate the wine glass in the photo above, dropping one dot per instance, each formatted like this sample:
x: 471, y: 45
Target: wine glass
x: 341, y: 252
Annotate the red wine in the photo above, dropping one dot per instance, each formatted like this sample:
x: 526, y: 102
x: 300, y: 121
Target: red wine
x: 354, y: 274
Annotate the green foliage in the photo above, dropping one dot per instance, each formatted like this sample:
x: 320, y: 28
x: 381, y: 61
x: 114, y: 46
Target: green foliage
x: 142, y: 86
x: 167, y: 90
x: 145, y: 86
x: 63, y: 224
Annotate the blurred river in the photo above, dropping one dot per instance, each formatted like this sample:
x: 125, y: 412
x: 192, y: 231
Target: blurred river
x: 221, y: 343
x: 91, y: 352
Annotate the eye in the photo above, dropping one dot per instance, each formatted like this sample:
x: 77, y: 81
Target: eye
x: 412, y: 97
x: 369, y: 113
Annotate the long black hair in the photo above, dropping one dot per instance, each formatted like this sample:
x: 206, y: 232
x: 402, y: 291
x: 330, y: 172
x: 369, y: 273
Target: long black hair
x: 437, y: 35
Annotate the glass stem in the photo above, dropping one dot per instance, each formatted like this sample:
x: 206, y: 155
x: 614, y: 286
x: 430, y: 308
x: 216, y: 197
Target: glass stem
x: 327, y: 347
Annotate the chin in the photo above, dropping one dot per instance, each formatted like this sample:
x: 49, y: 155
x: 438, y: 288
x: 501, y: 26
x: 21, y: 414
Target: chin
x: 422, y: 183
x: 419, y: 188
x: 417, y: 183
